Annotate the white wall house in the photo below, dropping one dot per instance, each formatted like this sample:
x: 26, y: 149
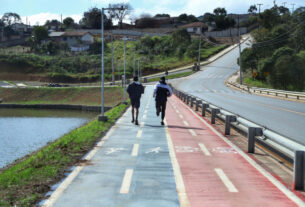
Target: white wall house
x: 77, y: 41
x: 194, y: 28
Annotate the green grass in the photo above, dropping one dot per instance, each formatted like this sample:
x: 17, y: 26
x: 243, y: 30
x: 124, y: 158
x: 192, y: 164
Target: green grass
x: 25, y: 183
x: 69, y: 95
x: 178, y: 75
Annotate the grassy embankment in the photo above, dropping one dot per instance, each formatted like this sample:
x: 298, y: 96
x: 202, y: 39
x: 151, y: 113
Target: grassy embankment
x: 178, y: 75
x: 85, y: 68
x: 78, y: 95
x: 26, y: 182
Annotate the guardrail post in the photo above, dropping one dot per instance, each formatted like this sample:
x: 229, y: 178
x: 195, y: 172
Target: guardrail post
x: 229, y: 119
x: 184, y: 97
x: 204, y: 108
x: 299, y: 166
x: 213, y: 116
x: 197, y: 105
x: 188, y: 99
x: 192, y: 101
x: 252, y: 132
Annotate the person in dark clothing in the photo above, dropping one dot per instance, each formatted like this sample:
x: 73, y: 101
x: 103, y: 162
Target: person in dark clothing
x: 161, y: 92
x: 135, y: 90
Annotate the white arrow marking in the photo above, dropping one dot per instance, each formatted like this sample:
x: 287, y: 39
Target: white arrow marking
x: 154, y: 150
x: 112, y: 150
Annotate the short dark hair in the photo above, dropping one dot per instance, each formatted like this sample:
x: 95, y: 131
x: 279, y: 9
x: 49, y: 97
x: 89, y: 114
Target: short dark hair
x: 162, y: 79
x: 135, y: 78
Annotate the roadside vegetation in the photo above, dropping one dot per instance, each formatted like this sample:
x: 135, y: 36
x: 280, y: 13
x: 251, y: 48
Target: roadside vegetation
x: 26, y: 182
x: 156, y: 54
x: 277, y: 57
x: 72, y: 95
x: 178, y: 75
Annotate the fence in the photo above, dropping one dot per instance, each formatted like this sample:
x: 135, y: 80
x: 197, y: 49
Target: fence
x: 290, y: 150
x: 279, y: 93
x: 226, y: 33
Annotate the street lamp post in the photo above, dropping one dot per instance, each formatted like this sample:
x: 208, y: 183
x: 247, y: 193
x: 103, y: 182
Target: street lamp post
x: 199, y: 48
x: 124, y: 82
x: 102, y: 116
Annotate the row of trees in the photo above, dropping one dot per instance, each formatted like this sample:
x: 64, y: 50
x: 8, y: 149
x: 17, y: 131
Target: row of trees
x: 278, y: 53
x: 6, y: 22
x: 220, y: 17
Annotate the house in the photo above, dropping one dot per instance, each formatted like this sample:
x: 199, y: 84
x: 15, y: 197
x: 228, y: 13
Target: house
x: 53, y: 25
x: 76, y: 40
x: 194, y: 28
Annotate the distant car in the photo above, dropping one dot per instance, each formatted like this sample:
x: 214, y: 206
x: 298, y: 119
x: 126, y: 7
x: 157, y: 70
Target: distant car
x: 54, y: 85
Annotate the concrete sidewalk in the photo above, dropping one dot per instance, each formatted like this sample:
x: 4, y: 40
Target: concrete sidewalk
x: 186, y: 163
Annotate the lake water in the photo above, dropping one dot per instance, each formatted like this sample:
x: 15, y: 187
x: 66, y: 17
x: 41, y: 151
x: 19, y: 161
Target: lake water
x: 23, y: 131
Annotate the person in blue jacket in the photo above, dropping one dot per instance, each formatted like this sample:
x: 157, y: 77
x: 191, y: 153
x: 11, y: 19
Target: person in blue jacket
x: 161, y: 92
x: 135, y: 90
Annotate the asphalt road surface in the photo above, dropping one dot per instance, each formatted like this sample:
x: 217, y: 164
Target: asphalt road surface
x: 284, y: 117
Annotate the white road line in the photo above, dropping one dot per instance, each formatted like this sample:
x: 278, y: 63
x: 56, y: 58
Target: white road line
x: 144, y: 116
x: 180, y: 116
x: 126, y: 181
x: 139, y: 134
x: 64, y: 185
x: 193, y: 133
x: 184, y: 202
x: 178, y: 111
x: 259, y: 168
x: 204, y: 149
x: 145, y: 112
x: 135, y: 150
x: 142, y: 124
x: 226, y: 180
x: 185, y: 123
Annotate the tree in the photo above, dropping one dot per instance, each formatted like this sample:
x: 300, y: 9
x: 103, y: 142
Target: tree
x: 68, y: 22
x: 40, y: 33
x: 252, y: 9
x: 162, y: 15
x: 192, y: 18
x: 119, y: 11
x: 92, y: 19
x: 208, y: 17
x: 269, y: 18
x: 183, y: 17
x: 10, y: 18
x: 220, y: 12
x: 249, y: 59
x: 181, y: 36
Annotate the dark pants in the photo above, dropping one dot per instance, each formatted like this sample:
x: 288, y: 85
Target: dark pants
x: 161, y: 105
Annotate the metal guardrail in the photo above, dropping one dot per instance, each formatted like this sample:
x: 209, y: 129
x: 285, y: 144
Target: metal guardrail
x: 279, y: 93
x: 290, y: 150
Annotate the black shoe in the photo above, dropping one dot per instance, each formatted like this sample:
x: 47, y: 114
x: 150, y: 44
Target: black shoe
x: 158, y: 111
x: 136, y: 123
x: 162, y: 123
x: 132, y: 121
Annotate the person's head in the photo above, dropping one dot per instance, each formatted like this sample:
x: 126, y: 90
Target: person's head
x: 162, y: 79
x: 135, y: 78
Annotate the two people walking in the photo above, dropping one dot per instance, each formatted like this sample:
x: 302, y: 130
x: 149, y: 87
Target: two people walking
x: 161, y: 92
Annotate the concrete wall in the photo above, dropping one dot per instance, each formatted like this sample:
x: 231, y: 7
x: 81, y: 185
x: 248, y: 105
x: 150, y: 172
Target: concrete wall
x: 55, y: 106
x: 227, y: 33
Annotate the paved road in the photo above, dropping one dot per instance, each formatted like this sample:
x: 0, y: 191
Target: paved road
x: 284, y: 117
x: 182, y: 164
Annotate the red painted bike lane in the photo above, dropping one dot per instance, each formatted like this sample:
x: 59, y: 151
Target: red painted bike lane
x: 214, y: 171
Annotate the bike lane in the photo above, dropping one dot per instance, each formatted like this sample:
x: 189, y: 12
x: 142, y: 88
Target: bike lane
x: 214, y: 171
x: 131, y: 168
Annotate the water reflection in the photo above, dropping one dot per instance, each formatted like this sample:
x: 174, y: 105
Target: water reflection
x: 23, y: 131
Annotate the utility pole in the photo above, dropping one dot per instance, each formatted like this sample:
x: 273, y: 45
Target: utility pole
x: 112, y: 62
x: 274, y: 3
x: 124, y: 76
x: 259, y: 12
x: 102, y: 117
x: 240, y: 73
x: 284, y: 3
x: 292, y: 8
x: 199, y: 48
x: 134, y: 63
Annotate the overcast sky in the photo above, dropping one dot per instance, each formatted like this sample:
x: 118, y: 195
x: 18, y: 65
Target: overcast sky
x: 38, y: 11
